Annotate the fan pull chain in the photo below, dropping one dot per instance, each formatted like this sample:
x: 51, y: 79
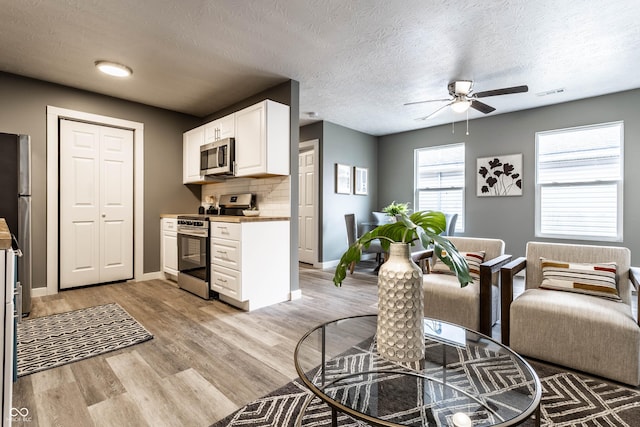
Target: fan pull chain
x: 467, y: 122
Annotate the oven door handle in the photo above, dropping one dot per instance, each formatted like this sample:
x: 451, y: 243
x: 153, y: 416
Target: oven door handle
x: 194, y: 233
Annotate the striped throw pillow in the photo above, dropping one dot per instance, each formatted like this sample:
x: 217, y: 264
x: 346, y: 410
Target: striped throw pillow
x: 474, y: 259
x: 590, y: 279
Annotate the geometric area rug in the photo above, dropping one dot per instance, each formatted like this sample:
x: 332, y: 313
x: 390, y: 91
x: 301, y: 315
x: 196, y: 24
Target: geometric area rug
x: 50, y: 341
x: 568, y: 399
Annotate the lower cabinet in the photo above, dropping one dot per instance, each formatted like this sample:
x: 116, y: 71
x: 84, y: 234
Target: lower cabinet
x: 250, y: 262
x: 169, y: 247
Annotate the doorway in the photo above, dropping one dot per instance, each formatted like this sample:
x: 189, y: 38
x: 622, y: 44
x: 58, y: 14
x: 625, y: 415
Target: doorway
x: 96, y: 204
x: 308, y: 202
x: 54, y: 116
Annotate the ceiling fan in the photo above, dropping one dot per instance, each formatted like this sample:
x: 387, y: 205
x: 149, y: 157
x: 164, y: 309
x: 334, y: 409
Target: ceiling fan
x: 463, y: 97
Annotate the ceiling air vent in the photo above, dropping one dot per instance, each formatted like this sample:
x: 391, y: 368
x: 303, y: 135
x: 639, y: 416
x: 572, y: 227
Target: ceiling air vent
x: 550, y: 92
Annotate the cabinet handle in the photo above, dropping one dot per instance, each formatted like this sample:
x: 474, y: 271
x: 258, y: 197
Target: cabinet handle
x: 221, y: 280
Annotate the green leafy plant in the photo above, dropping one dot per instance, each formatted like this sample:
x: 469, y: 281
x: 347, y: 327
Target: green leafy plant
x: 393, y: 209
x: 424, y: 226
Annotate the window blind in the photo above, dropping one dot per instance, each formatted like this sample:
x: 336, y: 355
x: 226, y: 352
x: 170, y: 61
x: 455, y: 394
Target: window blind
x: 579, y: 181
x: 440, y: 180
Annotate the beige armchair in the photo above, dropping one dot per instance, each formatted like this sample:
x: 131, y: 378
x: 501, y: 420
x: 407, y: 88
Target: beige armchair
x: 476, y: 305
x: 595, y: 334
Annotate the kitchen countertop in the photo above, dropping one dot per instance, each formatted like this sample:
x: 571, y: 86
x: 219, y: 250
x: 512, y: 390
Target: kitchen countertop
x: 230, y: 218
x: 5, y: 235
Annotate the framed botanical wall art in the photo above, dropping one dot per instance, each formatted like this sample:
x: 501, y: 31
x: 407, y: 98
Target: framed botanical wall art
x: 361, y: 186
x: 500, y: 175
x: 343, y: 179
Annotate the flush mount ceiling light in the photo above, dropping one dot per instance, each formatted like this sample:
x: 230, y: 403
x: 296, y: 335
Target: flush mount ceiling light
x: 113, y: 68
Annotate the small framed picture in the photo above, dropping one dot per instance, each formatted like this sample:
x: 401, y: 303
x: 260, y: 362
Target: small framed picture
x: 361, y: 181
x: 343, y: 179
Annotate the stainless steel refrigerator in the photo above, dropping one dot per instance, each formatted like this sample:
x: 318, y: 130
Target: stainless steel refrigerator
x: 15, y: 205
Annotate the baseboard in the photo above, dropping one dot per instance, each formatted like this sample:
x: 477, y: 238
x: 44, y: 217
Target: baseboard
x: 328, y: 264
x: 150, y: 276
x: 294, y: 295
x: 334, y: 263
x: 39, y: 292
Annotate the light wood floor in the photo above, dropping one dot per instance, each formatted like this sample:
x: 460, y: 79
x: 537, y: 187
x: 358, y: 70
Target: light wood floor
x: 206, y: 358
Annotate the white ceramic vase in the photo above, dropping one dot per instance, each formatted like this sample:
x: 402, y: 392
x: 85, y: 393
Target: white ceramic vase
x: 400, y: 330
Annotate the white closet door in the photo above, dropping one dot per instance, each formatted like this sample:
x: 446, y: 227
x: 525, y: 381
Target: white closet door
x: 307, y: 228
x: 96, y: 204
x: 116, y: 200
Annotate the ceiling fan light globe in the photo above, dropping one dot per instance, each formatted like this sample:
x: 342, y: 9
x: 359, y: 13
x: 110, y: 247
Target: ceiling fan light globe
x: 460, y: 106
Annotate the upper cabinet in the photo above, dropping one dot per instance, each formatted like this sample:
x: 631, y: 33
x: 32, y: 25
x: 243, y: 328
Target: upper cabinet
x: 262, y: 140
x: 195, y: 138
x: 220, y: 129
x: 191, y: 142
x: 261, y: 135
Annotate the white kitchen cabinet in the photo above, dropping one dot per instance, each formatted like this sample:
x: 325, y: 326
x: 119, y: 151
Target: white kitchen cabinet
x: 250, y: 262
x: 169, y: 247
x: 222, y: 128
x: 262, y: 139
x: 191, y: 142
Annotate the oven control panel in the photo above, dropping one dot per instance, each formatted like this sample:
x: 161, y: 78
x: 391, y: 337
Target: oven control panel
x: 193, y: 223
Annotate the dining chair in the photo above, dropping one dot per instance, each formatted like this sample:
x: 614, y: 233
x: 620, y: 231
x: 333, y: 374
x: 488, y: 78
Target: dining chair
x: 419, y: 253
x: 352, y: 235
x: 451, y: 220
x: 380, y: 218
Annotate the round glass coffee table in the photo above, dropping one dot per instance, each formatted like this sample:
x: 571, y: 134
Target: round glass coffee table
x: 465, y: 379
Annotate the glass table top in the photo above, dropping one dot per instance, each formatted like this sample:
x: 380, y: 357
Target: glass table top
x: 465, y: 378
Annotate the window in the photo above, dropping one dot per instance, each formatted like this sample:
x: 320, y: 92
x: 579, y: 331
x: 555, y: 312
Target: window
x: 439, y: 183
x: 579, y: 183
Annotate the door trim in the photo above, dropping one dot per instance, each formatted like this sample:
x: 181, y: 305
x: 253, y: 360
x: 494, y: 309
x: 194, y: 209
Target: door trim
x: 314, y: 144
x: 54, y: 114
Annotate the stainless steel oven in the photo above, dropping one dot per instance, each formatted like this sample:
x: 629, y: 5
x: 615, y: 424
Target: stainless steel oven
x: 194, y: 247
x: 194, y: 255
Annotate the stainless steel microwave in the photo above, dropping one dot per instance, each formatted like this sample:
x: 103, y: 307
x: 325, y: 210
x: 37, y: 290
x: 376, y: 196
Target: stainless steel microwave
x: 218, y: 157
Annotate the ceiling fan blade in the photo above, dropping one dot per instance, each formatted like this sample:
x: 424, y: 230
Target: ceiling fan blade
x: 429, y: 100
x: 482, y: 107
x: 503, y: 91
x: 435, y: 112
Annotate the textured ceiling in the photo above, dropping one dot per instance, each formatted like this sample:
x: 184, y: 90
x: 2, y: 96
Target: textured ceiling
x: 357, y: 61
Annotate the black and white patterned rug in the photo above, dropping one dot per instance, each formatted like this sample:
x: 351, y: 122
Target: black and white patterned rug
x: 50, y: 341
x: 568, y: 399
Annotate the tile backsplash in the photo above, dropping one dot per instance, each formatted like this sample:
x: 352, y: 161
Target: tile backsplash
x: 272, y: 194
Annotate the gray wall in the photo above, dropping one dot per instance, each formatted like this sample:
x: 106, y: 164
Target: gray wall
x: 346, y: 146
x: 512, y: 218
x: 23, y: 110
